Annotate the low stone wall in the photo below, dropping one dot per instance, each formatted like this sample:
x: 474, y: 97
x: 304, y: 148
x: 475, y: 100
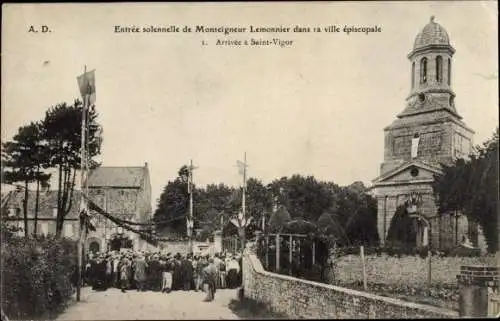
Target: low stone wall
x: 299, y: 298
x: 406, y: 270
x: 182, y: 247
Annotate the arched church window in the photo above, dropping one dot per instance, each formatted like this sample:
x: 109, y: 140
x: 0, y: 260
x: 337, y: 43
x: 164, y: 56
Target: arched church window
x: 413, y: 75
x: 449, y: 71
x: 439, y: 69
x: 423, y: 70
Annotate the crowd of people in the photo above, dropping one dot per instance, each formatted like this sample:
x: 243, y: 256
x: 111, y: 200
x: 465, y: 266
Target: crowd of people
x: 143, y: 271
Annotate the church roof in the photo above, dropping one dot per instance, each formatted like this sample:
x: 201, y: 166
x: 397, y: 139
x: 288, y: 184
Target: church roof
x: 117, y: 177
x: 417, y: 163
x: 432, y: 34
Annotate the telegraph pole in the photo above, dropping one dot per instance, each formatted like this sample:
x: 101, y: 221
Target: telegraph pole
x: 242, y: 217
x: 190, y: 219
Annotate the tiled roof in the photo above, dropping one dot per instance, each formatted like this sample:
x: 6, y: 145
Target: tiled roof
x: 47, y: 203
x: 117, y: 177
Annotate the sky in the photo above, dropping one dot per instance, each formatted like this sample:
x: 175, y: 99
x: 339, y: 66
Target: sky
x: 317, y: 107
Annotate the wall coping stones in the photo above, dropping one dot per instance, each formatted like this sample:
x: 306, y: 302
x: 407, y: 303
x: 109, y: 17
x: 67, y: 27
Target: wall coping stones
x: 481, y: 275
x: 259, y: 269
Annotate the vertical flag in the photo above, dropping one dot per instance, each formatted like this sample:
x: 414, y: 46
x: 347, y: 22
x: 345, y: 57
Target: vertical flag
x: 241, y: 167
x: 86, y: 82
x: 414, y: 145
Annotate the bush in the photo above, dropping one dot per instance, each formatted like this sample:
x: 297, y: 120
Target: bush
x: 37, y: 275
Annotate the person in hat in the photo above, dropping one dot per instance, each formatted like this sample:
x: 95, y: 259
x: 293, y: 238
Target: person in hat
x: 233, y: 269
x: 167, y: 269
x: 124, y: 267
x: 140, y: 272
x: 177, y: 273
x: 155, y: 273
x: 209, y: 279
x: 187, y: 273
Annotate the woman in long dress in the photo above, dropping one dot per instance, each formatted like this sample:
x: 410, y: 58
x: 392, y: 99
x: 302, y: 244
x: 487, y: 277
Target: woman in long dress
x: 232, y: 274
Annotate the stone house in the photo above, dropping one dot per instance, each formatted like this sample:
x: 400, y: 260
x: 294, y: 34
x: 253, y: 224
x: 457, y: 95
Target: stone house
x: 123, y: 192
x: 12, y: 212
x: 427, y: 133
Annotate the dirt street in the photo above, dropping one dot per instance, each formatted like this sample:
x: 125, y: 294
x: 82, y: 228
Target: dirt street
x: 132, y: 305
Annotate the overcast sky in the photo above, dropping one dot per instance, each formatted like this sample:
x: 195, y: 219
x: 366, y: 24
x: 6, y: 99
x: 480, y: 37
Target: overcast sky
x: 316, y: 108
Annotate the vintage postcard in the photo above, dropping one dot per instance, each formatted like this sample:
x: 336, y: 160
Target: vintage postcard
x: 246, y: 160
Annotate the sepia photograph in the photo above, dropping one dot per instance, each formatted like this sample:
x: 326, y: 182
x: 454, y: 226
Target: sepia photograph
x: 249, y: 160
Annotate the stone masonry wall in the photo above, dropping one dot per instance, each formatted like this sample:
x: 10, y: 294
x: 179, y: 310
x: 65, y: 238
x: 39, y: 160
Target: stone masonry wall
x: 407, y: 270
x: 299, y: 298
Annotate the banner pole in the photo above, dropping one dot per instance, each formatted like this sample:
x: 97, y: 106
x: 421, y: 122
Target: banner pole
x: 82, y: 206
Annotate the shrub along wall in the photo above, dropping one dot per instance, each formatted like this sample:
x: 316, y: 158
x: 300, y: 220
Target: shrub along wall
x: 38, y: 276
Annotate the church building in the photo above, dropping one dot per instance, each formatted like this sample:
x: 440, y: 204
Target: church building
x: 428, y: 132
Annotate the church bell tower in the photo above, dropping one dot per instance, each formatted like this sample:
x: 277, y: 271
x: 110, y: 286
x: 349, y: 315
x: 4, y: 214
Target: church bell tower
x: 427, y: 133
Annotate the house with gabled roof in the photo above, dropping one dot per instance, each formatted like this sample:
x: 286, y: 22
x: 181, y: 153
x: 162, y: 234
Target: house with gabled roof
x: 12, y: 212
x: 122, y: 192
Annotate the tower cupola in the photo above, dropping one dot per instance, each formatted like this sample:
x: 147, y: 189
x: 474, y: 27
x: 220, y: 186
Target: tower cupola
x: 431, y: 71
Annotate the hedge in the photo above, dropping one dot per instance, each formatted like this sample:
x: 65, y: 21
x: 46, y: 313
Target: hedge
x: 38, y: 276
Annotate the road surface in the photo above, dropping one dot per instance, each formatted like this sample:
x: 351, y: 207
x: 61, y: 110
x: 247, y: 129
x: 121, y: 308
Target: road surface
x: 132, y: 305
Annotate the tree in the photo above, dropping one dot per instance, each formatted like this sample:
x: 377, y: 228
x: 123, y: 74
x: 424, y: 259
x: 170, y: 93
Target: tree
x: 213, y: 205
x: 173, y: 204
x: 304, y: 197
x: 259, y: 200
x: 401, y: 229
x: 279, y: 219
x: 62, y: 131
x: 24, y: 157
x: 41, y: 159
x: 471, y: 186
x: 361, y: 223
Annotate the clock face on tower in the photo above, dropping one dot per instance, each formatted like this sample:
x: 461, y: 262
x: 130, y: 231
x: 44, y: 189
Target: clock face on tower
x: 417, y: 100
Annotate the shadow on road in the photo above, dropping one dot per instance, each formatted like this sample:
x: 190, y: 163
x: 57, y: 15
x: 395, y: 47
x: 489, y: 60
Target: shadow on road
x: 246, y: 308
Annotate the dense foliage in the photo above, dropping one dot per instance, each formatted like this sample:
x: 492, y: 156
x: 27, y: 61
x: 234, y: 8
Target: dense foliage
x: 401, y: 231
x: 471, y: 187
x: 37, y: 275
x: 348, y: 212
x: 53, y: 142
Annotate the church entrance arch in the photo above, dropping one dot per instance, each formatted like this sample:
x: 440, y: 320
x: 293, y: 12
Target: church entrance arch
x: 402, y: 229
x: 119, y: 241
x: 94, y: 245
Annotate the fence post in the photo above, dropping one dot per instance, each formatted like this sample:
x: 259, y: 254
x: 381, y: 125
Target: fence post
x: 277, y: 252
x: 290, y: 254
x: 364, y: 267
x: 314, y: 252
x: 429, y: 272
x: 299, y: 253
x: 267, y: 252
